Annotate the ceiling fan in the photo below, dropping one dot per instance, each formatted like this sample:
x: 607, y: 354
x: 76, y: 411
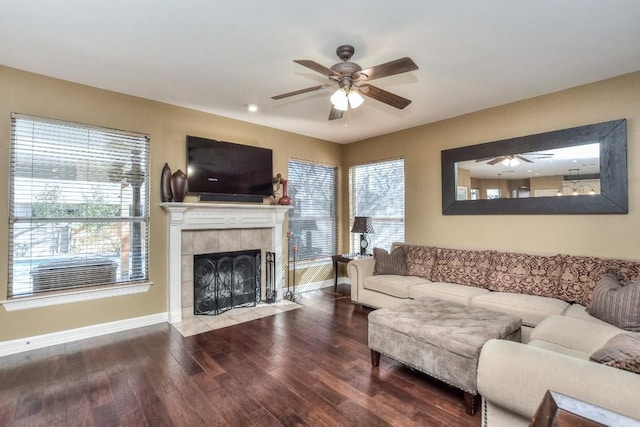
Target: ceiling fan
x: 351, y: 81
x: 514, y: 159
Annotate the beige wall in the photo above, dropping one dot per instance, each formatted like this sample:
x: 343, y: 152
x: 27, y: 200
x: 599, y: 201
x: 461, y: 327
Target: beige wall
x: 598, y: 235
x: 167, y: 125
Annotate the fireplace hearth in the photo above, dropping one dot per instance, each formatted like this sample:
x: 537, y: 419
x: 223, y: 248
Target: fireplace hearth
x: 199, y: 228
x: 225, y: 280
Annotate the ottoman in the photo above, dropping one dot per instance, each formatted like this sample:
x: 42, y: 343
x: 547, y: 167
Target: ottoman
x: 441, y: 338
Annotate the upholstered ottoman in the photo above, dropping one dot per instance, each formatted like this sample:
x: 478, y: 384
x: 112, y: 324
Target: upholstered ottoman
x: 443, y: 339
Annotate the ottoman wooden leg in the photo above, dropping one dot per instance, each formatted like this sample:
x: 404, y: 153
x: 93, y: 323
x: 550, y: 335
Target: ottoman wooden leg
x: 375, y: 358
x: 470, y: 403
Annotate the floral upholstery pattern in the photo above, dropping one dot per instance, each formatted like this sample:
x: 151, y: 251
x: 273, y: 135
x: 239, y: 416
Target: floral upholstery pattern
x: 524, y: 274
x: 579, y: 276
x: 464, y: 267
x: 569, y: 278
x: 421, y: 260
x: 626, y: 271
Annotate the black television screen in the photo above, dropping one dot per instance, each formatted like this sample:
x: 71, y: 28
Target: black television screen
x: 219, y: 170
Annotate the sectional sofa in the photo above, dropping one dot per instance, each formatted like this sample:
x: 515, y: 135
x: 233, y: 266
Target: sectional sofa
x: 552, y: 294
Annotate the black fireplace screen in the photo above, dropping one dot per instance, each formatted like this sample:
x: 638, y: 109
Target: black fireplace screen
x: 225, y: 280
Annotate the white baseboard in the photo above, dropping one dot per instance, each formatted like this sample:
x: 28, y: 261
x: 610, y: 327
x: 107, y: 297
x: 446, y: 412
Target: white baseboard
x: 40, y: 341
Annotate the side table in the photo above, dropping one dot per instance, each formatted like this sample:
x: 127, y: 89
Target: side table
x: 559, y: 410
x: 343, y: 258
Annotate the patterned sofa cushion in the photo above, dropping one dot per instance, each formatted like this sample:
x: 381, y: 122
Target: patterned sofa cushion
x: 578, y: 278
x: 421, y: 260
x: 621, y: 351
x: 524, y: 274
x: 626, y: 271
x: 464, y: 267
x: 580, y: 274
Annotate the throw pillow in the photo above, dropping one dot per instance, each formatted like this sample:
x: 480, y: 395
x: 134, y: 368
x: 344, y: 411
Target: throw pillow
x: 621, y: 351
x: 524, y: 274
x: 421, y: 260
x: 390, y: 263
x: 617, y: 304
x: 578, y: 278
x: 464, y: 267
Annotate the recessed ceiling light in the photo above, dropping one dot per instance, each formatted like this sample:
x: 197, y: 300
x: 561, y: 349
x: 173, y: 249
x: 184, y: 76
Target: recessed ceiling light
x: 252, y: 108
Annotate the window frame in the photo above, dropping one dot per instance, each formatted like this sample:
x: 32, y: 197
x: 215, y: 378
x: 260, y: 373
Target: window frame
x: 323, y: 258
x: 16, y: 300
x: 380, y: 222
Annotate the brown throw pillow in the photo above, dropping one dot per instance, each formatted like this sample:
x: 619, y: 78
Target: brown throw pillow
x: 621, y: 351
x: 390, y: 263
x: 617, y: 304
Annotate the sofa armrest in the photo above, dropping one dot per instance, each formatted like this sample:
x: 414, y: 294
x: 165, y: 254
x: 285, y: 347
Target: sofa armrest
x: 357, y: 270
x: 516, y: 376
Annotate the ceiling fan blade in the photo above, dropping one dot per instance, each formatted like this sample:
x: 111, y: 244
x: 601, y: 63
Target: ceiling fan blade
x: 496, y: 160
x: 298, y: 92
x: 398, y: 66
x: 335, y: 113
x: 524, y: 159
x: 384, y: 96
x: 315, y: 67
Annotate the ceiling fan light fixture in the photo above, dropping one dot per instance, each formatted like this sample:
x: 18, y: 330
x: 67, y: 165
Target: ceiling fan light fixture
x: 340, y: 100
x: 510, y: 162
x: 355, y: 99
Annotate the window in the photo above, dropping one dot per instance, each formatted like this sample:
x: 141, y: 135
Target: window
x: 78, y: 206
x: 376, y: 190
x: 313, y: 219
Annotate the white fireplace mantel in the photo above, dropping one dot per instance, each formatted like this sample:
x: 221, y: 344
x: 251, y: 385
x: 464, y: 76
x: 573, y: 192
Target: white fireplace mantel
x: 216, y: 216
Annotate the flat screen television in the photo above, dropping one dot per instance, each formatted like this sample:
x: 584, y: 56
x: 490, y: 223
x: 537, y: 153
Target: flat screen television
x: 226, y: 171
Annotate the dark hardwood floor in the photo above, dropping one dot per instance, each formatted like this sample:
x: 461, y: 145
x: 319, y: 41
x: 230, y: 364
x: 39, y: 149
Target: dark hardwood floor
x: 309, y: 366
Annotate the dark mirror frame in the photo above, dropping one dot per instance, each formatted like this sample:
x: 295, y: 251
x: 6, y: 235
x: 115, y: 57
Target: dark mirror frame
x: 613, y: 197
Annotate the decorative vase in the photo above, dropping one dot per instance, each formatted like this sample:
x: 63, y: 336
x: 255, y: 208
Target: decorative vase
x: 166, y: 195
x: 285, y: 199
x: 179, y: 185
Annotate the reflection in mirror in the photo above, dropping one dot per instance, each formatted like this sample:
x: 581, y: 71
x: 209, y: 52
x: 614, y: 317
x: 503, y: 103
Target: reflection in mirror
x: 586, y: 166
x: 555, y: 172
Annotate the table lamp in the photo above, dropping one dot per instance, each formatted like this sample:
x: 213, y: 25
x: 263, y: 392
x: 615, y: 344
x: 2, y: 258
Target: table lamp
x: 363, y: 225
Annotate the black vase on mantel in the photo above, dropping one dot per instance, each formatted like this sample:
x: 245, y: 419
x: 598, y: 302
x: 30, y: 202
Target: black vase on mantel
x: 166, y: 195
x: 179, y: 185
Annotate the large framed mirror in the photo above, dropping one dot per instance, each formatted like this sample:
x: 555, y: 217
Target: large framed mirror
x: 580, y: 170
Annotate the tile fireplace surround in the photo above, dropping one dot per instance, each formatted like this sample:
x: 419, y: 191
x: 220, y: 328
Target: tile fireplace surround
x: 197, y: 228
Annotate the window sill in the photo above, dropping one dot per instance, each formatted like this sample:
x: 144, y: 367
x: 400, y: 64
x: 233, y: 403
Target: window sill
x: 29, y: 302
x: 309, y: 264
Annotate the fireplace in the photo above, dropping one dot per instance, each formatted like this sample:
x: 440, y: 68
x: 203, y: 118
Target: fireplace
x: 225, y: 280
x: 202, y: 228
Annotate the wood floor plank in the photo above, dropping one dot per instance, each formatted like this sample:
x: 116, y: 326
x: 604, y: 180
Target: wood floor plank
x: 306, y: 367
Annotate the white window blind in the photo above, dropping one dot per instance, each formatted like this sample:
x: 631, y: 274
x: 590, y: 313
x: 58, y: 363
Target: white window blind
x: 79, y: 206
x: 376, y: 190
x: 313, y: 220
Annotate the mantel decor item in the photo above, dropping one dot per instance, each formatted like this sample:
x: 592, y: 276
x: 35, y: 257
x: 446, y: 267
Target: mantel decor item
x: 285, y: 199
x: 363, y: 225
x: 277, y: 184
x: 166, y: 195
x: 179, y: 185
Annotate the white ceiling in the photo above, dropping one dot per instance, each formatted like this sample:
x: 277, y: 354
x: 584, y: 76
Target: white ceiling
x: 217, y: 56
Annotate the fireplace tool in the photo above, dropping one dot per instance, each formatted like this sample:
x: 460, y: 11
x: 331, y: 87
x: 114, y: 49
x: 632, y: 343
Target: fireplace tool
x: 291, y: 248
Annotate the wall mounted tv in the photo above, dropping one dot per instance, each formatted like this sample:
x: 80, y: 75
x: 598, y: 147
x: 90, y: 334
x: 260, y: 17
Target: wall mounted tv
x: 226, y: 171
